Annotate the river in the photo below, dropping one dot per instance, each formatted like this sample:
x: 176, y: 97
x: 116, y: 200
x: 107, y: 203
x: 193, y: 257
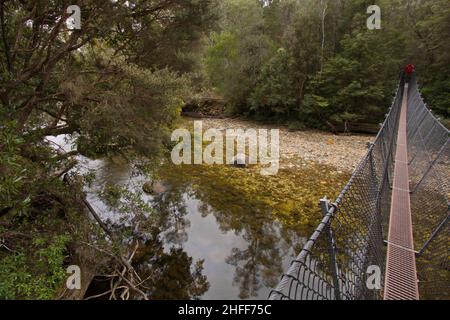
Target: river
x: 242, y: 229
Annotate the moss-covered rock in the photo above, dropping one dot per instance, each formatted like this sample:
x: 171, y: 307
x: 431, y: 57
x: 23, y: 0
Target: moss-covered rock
x: 154, y: 187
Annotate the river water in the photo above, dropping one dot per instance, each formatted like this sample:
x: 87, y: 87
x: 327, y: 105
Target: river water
x: 241, y: 240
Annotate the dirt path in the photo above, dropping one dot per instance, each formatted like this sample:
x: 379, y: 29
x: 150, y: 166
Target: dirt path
x: 344, y: 152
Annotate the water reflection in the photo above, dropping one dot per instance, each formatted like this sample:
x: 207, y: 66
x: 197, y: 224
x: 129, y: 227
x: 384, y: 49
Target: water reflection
x: 244, y: 248
x: 203, y: 237
x: 115, y: 192
x: 218, y: 232
x: 169, y: 273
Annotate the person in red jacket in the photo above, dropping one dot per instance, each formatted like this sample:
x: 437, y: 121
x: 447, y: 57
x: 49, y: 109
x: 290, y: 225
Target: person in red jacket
x: 409, y: 70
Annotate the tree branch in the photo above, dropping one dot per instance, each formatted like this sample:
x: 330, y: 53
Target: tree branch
x: 4, y: 37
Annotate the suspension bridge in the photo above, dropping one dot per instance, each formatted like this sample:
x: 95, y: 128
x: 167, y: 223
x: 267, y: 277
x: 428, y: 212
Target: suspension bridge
x: 392, y: 216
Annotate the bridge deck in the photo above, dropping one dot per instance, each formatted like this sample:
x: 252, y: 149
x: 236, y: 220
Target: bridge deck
x: 401, y: 276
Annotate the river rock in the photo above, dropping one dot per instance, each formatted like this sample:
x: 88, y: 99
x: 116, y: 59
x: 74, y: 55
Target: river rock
x: 154, y: 187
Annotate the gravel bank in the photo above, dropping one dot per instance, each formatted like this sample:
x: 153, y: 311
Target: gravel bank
x: 344, y: 152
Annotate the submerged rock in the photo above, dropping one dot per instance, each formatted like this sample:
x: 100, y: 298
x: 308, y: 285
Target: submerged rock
x: 154, y: 187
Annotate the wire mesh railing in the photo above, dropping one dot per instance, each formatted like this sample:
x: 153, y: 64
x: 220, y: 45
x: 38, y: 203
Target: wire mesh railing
x: 429, y: 163
x: 334, y: 262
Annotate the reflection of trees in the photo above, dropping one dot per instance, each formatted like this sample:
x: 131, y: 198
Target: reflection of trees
x: 167, y: 273
x: 171, y: 211
x: 261, y: 262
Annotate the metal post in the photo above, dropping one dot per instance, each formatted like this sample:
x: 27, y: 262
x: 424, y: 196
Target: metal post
x: 325, y: 205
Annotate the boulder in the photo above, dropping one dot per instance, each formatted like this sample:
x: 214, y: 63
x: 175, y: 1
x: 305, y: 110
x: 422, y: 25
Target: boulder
x: 154, y: 187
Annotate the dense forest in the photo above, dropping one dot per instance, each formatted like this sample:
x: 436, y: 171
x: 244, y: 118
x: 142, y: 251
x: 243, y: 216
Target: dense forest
x: 316, y: 64
x: 118, y: 84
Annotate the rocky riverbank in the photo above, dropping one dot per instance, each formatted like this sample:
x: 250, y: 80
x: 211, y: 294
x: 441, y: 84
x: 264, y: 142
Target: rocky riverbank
x: 297, y: 148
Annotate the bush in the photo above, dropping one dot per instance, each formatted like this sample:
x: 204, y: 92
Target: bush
x: 35, y: 273
x: 274, y: 94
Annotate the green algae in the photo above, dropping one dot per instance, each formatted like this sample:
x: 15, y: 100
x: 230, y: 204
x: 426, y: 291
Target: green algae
x: 291, y: 197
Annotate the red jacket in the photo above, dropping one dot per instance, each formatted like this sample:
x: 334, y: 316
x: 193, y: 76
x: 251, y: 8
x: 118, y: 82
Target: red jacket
x: 409, y: 69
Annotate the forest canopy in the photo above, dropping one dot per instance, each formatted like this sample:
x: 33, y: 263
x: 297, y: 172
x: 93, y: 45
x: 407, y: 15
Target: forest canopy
x: 317, y: 64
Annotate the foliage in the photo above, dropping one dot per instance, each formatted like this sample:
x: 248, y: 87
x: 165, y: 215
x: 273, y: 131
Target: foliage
x: 36, y: 272
x: 236, y: 53
x: 352, y: 86
x: 133, y: 109
x: 335, y: 71
x: 115, y: 87
x: 432, y: 27
x: 12, y: 171
x: 274, y: 93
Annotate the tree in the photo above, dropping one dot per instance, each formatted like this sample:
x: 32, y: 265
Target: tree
x: 236, y: 53
x: 356, y: 84
x: 115, y: 86
x: 431, y: 24
x: 97, y: 82
x: 319, y: 36
x: 274, y: 93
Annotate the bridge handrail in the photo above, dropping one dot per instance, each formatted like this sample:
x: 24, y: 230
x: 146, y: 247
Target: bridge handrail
x: 334, y: 261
